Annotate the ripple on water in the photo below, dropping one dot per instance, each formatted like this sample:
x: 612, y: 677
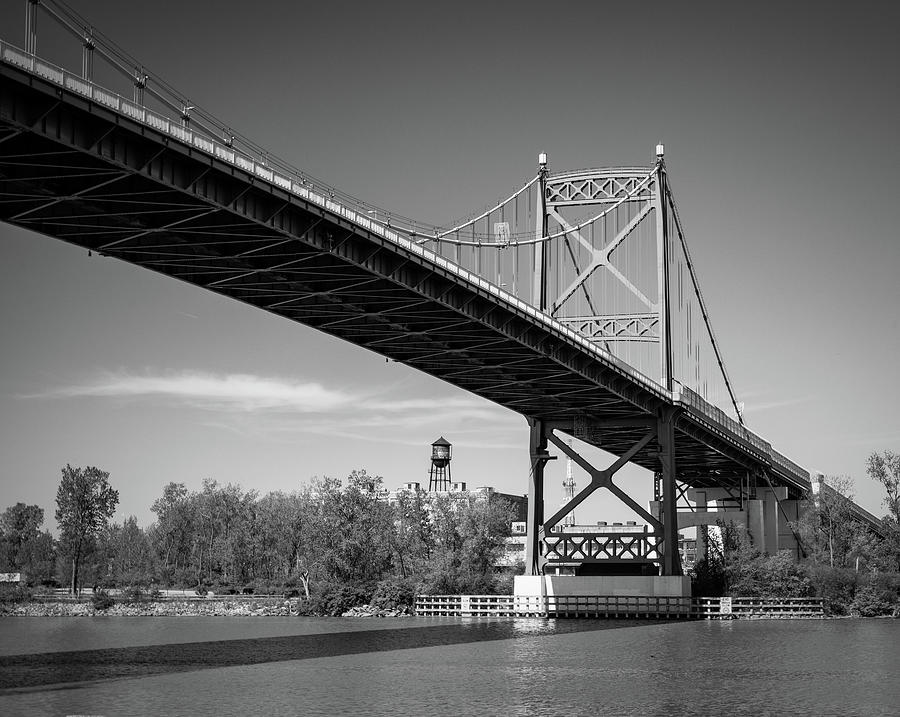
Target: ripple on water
x: 535, y: 667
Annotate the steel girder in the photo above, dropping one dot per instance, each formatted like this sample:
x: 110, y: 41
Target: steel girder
x: 80, y: 172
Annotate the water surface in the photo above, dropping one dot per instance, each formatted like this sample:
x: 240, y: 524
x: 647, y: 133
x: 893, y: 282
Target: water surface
x: 434, y: 666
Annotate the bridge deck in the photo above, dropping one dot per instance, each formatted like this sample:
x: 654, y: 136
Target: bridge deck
x: 88, y: 167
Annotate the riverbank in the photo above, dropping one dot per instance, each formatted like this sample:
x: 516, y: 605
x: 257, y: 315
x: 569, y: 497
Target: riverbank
x: 271, y: 607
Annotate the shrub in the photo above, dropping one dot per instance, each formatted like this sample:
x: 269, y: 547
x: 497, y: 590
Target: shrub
x: 836, y: 586
x: 394, y: 593
x: 264, y: 587
x: 770, y: 576
x: 708, y: 578
x: 878, y: 596
x: 101, y: 600
x: 506, y: 579
x: 331, y: 599
x: 136, y: 593
x: 460, y: 582
x: 440, y: 584
x: 14, y: 593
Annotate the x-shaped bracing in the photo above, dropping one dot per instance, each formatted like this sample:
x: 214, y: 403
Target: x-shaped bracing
x: 602, y: 479
x: 601, y: 258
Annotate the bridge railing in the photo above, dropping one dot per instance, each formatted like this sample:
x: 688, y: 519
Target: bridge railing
x: 788, y: 466
x: 577, y: 547
x: 687, y: 397
x: 719, y: 419
x: 258, y: 162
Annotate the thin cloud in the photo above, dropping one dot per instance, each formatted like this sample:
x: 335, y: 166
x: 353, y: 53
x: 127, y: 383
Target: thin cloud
x: 769, y: 405
x: 230, y: 392
x: 247, y: 393
x: 408, y: 427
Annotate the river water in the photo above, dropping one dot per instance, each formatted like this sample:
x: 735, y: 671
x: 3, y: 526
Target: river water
x: 444, y: 666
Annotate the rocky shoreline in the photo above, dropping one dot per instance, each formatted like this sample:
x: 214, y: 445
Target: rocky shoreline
x: 179, y: 608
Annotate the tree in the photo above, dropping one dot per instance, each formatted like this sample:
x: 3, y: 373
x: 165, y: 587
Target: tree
x: 84, y: 504
x: 131, y: 556
x: 172, y: 533
x: 412, y: 534
x: 19, y: 526
x: 885, y: 468
x: 278, y: 534
x: 827, y: 527
x: 468, y: 535
x: 360, y: 545
x: 484, y: 526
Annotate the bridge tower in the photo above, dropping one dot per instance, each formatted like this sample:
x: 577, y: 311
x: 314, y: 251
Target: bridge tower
x: 439, y: 474
x: 622, y: 302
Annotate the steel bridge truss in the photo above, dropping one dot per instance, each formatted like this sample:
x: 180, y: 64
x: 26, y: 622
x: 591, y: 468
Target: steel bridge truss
x: 551, y: 544
x: 587, y: 259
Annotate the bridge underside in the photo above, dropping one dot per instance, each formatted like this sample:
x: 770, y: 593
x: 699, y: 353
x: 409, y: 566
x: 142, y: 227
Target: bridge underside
x: 77, y: 171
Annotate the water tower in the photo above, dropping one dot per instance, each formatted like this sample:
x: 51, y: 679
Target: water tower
x: 439, y: 475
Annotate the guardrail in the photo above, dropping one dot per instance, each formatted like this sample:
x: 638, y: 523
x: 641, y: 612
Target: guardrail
x: 617, y: 606
x: 717, y: 419
x: 716, y: 415
x: 465, y: 605
x: 790, y: 468
x: 758, y: 608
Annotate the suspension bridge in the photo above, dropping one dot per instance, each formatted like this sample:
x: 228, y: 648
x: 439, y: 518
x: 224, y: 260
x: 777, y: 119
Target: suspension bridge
x: 574, y: 301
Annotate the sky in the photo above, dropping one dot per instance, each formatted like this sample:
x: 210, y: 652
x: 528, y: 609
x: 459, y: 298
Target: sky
x: 779, y: 122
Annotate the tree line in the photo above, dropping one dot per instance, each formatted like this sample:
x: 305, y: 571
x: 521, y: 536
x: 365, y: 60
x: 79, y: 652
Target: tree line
x: 336, y: 543
x: 328, y: 534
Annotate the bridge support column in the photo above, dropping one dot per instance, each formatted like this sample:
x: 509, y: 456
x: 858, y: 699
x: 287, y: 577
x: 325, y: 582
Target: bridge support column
x: 770, y: 519
x: 535, y: 527
x: 789, y: 512
x: 665, y: 436
x: 756, y: 527
x: 699, y: 498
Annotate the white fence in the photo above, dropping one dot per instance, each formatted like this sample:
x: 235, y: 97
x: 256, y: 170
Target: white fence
x: 616, y: 606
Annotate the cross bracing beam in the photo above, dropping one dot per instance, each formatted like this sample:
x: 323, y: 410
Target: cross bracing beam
x: 598, y: 186
x: 620, y: 327
x: 308, y: 260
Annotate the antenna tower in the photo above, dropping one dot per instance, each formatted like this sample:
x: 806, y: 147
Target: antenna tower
x: 569, y: 485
